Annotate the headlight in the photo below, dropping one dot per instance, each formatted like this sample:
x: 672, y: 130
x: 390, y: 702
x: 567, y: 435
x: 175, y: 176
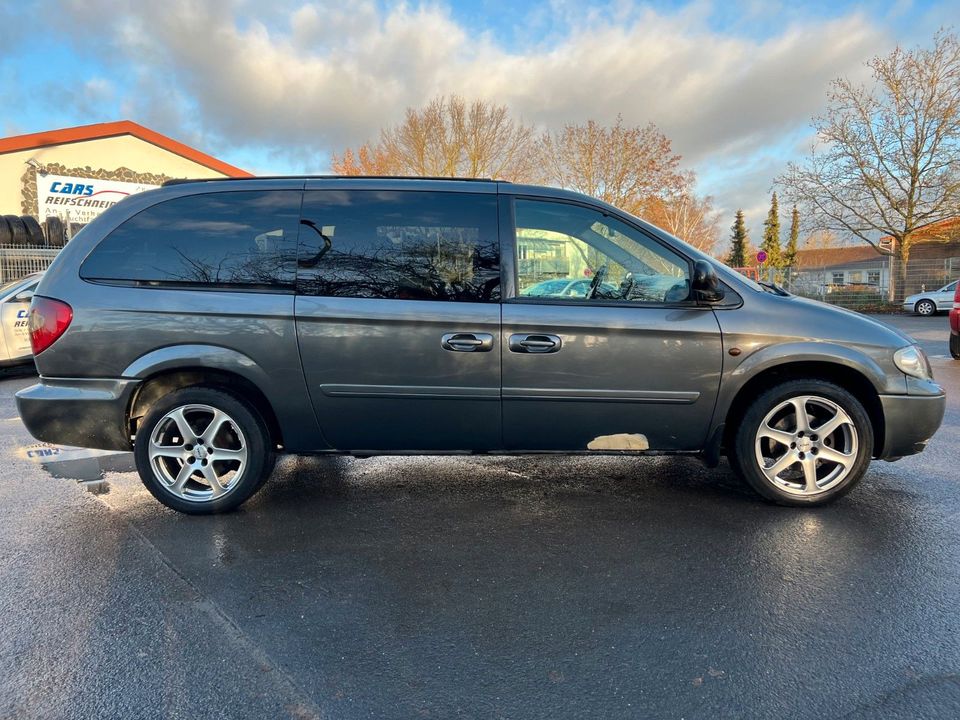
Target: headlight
x: 913, y: 361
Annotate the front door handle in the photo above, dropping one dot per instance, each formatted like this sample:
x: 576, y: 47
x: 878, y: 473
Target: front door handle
x: 467, y: 342
x: 534, y: 343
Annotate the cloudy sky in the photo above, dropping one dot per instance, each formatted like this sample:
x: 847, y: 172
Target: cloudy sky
x: 275, y: 86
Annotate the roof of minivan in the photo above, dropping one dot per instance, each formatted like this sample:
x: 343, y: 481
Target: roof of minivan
x: 379, y: 182
x: 181, y: 181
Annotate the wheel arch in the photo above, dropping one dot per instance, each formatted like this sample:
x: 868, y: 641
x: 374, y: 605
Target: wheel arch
x: 166, y: 380
x: 854, y: 381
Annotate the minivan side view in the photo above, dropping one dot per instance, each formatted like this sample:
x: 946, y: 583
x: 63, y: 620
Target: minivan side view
x: 209, y: 325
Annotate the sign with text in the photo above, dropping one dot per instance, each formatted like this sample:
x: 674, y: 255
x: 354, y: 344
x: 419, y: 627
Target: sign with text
x: 80, y: 200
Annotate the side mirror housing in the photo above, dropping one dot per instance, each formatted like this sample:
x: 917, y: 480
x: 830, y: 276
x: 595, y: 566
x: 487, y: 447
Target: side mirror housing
x: 24, y: 296
x: 706, y: 285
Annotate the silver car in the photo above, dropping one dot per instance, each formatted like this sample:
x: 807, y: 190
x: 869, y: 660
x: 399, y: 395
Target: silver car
x: 15, y: 299
x: 932, y: 302
x: 210, y: 325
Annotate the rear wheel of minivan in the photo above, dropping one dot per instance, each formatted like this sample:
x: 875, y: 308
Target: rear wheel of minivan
x: 202, y: 450
x: 803, y: 443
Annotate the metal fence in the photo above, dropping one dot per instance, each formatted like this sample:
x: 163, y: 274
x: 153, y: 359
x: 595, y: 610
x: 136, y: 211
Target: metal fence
x: 17, y: 262
x: 865, y: 285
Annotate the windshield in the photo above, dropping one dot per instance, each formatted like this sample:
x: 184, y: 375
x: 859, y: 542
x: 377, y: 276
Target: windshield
x: 11, y: 285
x: 725, y: 272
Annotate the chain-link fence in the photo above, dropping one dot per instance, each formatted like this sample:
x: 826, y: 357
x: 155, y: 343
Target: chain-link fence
x: 17, y: 262
x: 865, y: 285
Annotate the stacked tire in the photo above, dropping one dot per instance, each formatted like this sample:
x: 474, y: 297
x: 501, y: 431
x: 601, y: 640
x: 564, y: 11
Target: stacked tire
x: 55, y: 231
x: 21, y: 231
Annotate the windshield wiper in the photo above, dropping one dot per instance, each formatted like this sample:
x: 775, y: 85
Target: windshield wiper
x: 773, y: 288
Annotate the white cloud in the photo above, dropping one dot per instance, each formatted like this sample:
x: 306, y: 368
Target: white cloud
x: 315, y: 77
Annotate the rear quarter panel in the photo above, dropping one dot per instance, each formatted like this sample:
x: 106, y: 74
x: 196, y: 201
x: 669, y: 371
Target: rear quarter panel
x: 117, y: 332
x: 115, y: 327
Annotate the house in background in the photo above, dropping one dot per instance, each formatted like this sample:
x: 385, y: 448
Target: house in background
x: 934, y: 261
x: 818, y: 271
x: 76, y: 173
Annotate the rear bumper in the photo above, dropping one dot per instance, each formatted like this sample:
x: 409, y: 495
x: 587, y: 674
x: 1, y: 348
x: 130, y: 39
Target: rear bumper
x: 909, y: 422
x: 78, y: 411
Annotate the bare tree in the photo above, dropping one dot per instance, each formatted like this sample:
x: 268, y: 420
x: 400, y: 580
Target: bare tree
x: 689, y: 217
x: 887, y: 161
x: 448, y: 138
x: 366, y: 160
x: 633, y: 168
x: 627, y: 167
x: 821, y: 240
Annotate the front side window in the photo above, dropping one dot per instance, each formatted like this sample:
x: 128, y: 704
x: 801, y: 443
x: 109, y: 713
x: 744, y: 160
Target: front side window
x: 244, y: 238
x: 577, y: 254
x: 400, y: 245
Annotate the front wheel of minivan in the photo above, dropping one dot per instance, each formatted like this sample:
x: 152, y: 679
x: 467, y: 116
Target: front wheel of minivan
x: 202, y: 450
x: 803, y: 443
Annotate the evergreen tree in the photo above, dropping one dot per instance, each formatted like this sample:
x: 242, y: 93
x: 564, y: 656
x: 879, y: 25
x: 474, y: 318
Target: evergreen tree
x: 790, y: 256
x: 738, y: 243
x: 771, y: 236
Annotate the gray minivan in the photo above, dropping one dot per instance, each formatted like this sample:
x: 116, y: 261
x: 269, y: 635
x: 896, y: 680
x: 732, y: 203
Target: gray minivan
x: 209, y: 325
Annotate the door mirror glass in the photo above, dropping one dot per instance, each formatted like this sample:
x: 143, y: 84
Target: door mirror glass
x: 706, y: 284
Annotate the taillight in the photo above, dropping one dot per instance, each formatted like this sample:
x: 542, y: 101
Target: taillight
x: 49, y: 319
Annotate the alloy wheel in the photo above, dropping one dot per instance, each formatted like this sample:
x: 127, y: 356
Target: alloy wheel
x: 198, y: 453
x: 806, y: 445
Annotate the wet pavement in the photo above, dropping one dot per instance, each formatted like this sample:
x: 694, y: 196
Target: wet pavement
x: 514, y: 587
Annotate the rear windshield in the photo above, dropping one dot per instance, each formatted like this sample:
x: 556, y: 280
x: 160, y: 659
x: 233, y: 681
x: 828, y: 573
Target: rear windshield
x: 245, y: 239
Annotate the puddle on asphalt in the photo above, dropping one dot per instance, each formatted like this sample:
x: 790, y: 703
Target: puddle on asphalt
x: 87, y: 467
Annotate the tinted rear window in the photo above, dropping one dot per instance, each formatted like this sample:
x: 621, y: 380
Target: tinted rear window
x: 400, y: 245
x: 216, y: 239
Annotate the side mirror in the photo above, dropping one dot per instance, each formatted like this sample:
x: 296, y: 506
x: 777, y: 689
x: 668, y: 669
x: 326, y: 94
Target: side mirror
x: 24, y: 296
x: 706, y: 285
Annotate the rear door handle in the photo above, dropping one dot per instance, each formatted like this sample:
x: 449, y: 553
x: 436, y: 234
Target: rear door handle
x: 535, y: 343
x: 467, y: 342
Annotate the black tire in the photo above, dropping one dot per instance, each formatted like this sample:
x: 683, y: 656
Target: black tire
x: 260, y: 456
x: 56, y: 232
x: 925, y: 307
x: 18, y: 232
x: 6, y: 234
x: 955, y: 346
x: 743, y: 455
x: 34, y: 231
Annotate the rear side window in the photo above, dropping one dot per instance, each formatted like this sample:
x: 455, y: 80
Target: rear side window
x: 245, y: 239
x: 400, y: 245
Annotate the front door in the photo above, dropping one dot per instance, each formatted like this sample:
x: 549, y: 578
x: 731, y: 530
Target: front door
x: 602, y: 347
x: 398, y: 317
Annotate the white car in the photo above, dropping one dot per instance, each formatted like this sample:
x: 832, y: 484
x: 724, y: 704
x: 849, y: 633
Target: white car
x: 15, y: 299
x: 932, y: 302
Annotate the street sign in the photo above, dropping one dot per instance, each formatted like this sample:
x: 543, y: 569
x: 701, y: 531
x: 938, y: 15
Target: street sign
x: 761, y: 256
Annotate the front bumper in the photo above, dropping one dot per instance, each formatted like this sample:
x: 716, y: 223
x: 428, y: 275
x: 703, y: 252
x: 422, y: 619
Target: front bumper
x: 82, y: 412
x: 909, y: 422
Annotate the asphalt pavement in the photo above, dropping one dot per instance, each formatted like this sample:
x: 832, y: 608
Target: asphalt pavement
x: 520, y: 587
